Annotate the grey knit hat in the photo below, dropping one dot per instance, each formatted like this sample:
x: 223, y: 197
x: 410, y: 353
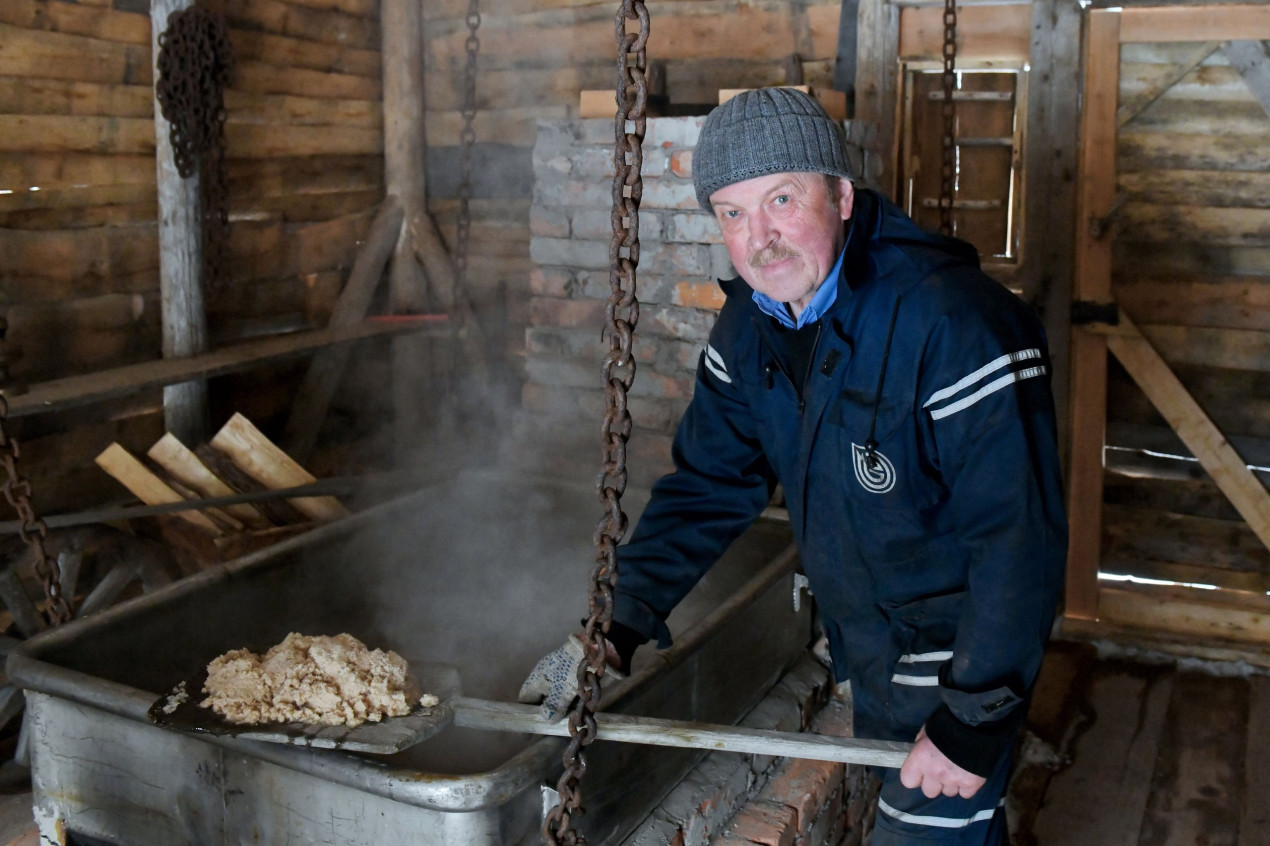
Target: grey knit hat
x: 762, y: 131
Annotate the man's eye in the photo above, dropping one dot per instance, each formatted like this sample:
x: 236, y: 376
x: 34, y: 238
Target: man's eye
x: 781, y: 199
x: 732, y: 214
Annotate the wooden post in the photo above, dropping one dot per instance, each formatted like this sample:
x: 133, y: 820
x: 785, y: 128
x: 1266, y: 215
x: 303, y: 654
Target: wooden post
x: 1095, y: 198
x: 180, y: 261
x: 877, y: 88
x: 1049, y: 184
x: 401, y: 22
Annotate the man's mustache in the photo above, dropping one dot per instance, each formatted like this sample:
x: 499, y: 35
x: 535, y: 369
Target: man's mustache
x: 776, y: 252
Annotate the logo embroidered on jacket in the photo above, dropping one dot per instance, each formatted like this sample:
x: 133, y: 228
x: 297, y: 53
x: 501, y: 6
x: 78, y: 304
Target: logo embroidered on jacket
x: 877, y: 479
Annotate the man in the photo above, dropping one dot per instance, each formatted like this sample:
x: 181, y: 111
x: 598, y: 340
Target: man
x: 902, y: 400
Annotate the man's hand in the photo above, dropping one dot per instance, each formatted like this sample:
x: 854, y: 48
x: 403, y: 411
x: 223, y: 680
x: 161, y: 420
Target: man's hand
x: 554, y: 679
x: 927, y: 768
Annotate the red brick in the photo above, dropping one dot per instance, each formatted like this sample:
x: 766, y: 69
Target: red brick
x: 681, y: 163
x: 699, y: 295
x: 552, y: 311
x: 804, y: 786
x: 765, y: 823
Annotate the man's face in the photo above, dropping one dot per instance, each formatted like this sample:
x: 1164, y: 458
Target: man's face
x: 784, y: 231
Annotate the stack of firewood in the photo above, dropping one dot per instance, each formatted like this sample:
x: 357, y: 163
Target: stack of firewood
x: 238, y: 459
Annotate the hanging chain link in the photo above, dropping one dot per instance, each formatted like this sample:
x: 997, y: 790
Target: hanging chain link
x: 195, y: 62
x: 17, y: 490
x: 467, y: 138
x: 948, y: 163
x: 621, y: 314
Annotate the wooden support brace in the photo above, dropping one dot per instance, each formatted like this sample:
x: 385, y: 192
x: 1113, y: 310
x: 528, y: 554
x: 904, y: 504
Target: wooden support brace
x: 1201, y: 436
x: 1250, y: 59
x: 1134, y: 107
x: 327, y: 368
x: 432, y: 253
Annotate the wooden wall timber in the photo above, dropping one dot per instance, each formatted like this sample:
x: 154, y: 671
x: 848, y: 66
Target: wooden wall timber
x: 78, y: 238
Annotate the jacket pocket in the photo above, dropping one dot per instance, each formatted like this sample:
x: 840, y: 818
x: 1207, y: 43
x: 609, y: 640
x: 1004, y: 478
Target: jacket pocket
x: 922, y: 633
x: 885, y: 477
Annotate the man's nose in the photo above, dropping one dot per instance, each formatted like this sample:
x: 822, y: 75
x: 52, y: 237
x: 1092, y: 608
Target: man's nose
x: 762, y: 232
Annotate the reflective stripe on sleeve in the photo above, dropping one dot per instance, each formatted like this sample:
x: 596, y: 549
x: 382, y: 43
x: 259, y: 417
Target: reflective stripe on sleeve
x: 714, y: 363
x: 938, y: 822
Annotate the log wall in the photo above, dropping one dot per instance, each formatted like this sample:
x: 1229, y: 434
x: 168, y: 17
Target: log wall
x: 78, y: 241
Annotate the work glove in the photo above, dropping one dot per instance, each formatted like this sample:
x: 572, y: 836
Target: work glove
x: 553, y: 681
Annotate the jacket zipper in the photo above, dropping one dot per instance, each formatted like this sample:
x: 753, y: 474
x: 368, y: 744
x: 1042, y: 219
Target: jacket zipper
x: 811, y: 364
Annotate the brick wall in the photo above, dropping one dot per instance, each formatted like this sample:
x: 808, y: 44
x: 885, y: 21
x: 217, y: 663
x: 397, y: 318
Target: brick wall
x: 681, y: 256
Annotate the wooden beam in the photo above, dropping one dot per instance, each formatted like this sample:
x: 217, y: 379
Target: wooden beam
x: 1250, y: 59
x: 1197, y: 431
x: 1194, y: 23
x: 1047, y: 255
x: 405, y: 177
x: 261, y: 459
x: 1193, y: 613
x: 983, y: 32
x: 1134, y: 107
x: 180, y: 260
x: 1088, y: 412
x: 327, y: 368
x: 877, y: 91
x: 75, y: 391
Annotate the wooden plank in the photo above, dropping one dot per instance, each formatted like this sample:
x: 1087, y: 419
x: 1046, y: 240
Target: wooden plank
x: 146, y: 486
x: 284, y: 52
x: 77, y: 19
x: 1144, y: 533
x: 1232, y: 349
x: 1088, y: 414
x: 1243, y: 119
x: 1254, y: 822
x: 31, y: 96
x: 316, y: 391
x: 52, y: 171
x: 877, y: 92
x: 1250, y: 59
x: 280, y: 18
x: 624, y: 728
x: 292, y: 110
x: 1196, y: 188
x: 262, y: 78
x: 100, y: 253
x: 1198, y: 786
x: 1101, y: 797
x: 1194, y: 151
x: 80, y: 390
x: 1195, y: 23
x: 983, y: 32
x: 56, y: 55
x: 1181, y: 611
x: 75, y: 134
x: 1211, y: 81
x: 598, y: 103
x: 259, y: 458
x: 1119, y: 566
x: 184, y: 466
x: 264, y: 141
x: 1166, y: 80
x: 1196, y: 430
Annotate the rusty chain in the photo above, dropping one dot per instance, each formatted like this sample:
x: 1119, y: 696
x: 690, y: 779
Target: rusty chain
x: 621, y: 315
x: 194, y: 66
x: 467, y: 138
x: 948, y: 159
x: 17, y: 490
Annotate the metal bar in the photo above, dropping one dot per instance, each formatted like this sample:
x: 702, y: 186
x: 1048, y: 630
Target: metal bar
x: 623, y: 728
x: 1004, y: 141
x: 339, y: 486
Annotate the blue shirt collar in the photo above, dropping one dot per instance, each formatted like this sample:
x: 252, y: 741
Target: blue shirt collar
x: 824, y: 298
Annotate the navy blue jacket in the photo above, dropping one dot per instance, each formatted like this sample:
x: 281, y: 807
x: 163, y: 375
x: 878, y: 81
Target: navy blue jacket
x: 936, y: 558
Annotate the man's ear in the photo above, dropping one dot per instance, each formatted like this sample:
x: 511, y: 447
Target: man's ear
x: 846, y: 198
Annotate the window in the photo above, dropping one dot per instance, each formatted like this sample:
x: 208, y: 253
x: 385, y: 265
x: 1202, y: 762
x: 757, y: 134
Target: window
x: 987, y: 156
